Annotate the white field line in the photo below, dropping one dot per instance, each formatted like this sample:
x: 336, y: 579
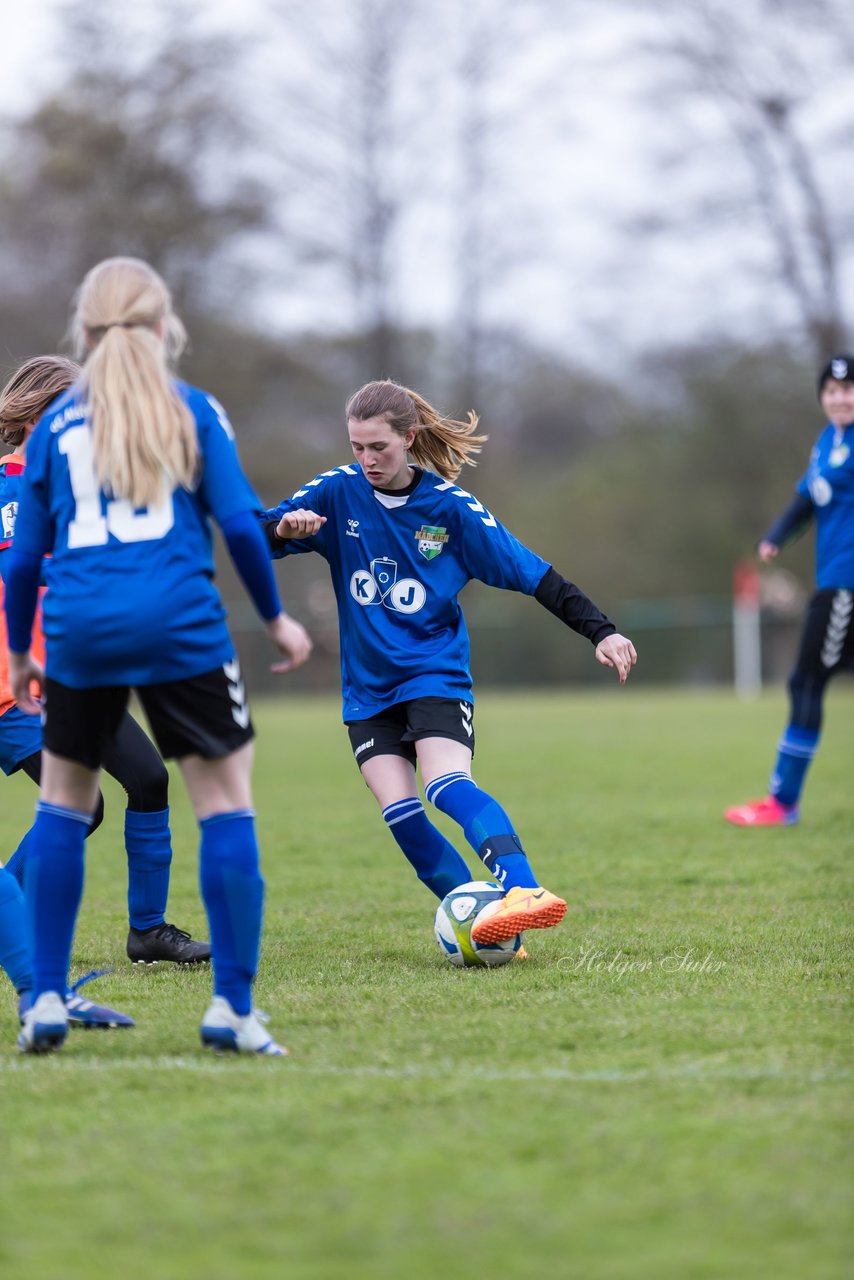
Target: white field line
x: 203, y: 1064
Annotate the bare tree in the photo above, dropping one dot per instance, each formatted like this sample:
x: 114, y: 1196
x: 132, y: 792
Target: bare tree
x: 501, y: 109
x: 346, y: 115
x: 130, y: 153
x: 770, y: 69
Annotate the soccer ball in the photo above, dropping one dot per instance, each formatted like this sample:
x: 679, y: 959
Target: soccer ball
x: 455, y: 916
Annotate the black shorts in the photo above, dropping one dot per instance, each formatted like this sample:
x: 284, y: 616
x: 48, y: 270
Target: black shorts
x: 827, y: 642
x: 393, y: 732
x: 203, y: 715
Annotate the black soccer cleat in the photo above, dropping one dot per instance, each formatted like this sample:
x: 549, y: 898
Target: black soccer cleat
x: 166, y: 942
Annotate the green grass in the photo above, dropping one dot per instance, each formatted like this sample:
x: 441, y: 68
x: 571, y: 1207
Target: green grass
x: 662, y: 1091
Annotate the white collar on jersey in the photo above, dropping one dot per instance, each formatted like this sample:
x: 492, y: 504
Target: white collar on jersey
x: 392, y: 500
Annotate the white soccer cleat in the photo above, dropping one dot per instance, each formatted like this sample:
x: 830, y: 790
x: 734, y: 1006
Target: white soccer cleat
x: 44, y: 1026
x: 225, y: 1031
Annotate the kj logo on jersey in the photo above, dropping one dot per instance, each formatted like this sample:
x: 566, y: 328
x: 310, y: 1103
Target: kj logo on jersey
x: 380, y: 585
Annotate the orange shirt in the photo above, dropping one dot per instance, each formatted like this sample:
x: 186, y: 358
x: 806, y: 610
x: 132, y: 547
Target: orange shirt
x: 14, y: 462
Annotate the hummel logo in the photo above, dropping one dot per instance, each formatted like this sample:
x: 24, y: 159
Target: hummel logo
x: 837, y: 628
x: 237, y: 693
x: 352, y: 531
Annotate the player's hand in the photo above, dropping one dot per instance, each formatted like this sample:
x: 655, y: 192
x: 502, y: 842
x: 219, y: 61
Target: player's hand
x: 24, y: 671
x: 617, y: 651
x: 291, y: 639
x: 299, y: 524
x: 768, y: 551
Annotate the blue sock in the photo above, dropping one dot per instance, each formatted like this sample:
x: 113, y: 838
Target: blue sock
x: 15, y: 865
x: 794, y: 756
x: 149, y: 849
x: 486, y: 826
x: 14, y: 939
x: 436, y: 861
x: 53, y: 891
x: 233, y: 894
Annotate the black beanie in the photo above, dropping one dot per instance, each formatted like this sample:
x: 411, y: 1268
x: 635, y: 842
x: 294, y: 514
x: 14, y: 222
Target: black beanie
x: 840, y: 368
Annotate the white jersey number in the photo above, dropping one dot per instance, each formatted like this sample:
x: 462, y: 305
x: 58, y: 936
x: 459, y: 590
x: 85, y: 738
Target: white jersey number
x: 90, y: 528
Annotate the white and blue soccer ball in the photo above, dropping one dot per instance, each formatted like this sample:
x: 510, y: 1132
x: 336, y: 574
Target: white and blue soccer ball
x: 455, y: 917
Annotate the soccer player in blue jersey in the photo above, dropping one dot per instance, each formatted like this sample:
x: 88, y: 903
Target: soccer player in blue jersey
x: 402, y: 539
x: 130, y: 758
x: 825, y: 493
x: 124, y: 472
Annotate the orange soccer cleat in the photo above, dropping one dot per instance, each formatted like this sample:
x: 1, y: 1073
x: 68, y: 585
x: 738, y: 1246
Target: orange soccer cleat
x: 518, y: 910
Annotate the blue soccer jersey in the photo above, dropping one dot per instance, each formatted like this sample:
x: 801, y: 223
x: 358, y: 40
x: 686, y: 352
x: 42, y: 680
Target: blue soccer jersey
x: 131, y: 597
x: 829, y: 484
x: 397, y: 571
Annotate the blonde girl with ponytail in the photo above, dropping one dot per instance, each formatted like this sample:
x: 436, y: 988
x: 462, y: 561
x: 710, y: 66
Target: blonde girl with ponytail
x: 402, y: 539
x: 131, y: 758
x: 125, y: 472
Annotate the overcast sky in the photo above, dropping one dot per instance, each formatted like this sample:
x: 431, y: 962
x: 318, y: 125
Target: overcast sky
x: 577, y: 179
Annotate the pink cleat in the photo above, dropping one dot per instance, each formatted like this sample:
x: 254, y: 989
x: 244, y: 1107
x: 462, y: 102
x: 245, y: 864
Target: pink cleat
x: 763, y: 813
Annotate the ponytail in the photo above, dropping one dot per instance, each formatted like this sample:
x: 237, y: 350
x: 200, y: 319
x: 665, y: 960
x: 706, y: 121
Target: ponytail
x: 144, y: 437
x: 444, y: 445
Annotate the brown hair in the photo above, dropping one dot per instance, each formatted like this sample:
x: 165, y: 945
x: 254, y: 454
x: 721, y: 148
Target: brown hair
x: 441, y: 444
x: 28, y: 393
x: 143, y: 435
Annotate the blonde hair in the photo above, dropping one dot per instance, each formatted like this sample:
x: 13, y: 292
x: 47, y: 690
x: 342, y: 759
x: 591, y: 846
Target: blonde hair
x: 28, y: 393
x: 144, y: 436
x: 441, y: 444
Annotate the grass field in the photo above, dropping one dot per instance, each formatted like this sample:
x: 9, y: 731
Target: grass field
x: 662, y: 1091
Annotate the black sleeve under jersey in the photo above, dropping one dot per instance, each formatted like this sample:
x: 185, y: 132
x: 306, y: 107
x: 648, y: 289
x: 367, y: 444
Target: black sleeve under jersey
x: 792, y: 522
x: 274, y: 542
x: 280, y: 547
x: 569, y: 603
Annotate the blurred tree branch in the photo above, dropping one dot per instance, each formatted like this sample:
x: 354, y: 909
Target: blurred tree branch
x: 763, y: 68
x: 132, y: 153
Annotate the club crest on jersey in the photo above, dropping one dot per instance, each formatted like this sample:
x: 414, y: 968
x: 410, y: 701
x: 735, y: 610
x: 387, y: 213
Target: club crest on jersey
x: 9, y: 515
x: 431, y: 539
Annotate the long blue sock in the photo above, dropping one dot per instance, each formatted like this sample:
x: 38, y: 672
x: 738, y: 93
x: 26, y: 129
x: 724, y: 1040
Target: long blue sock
x: 233, y: 894
x: 794, y: 756
x: 437, y: 863
x: 486, y: 826
x: 54, y: 887
x: 14, y: 939
x: 149, y: 848
x: 15, y: 865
